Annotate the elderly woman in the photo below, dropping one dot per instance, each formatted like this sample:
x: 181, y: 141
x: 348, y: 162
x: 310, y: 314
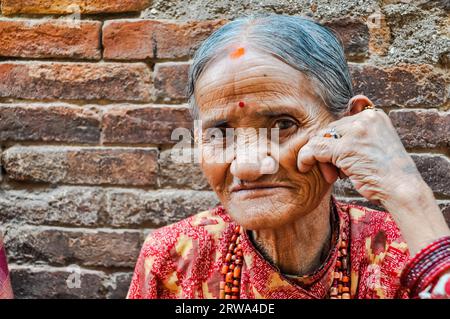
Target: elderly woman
x: 279, y: 233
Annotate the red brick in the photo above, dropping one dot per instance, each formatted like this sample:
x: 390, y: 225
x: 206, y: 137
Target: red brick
x: 64, y: 246
x: 143, y: 39
x: 401, y: 86
x: 49, y: 123
x: 170, y: 81
x: 50, y: 39
x: 75, y: 81
x: 10, y: 7
x: 77, y: 165
x: 354, y: 35
x: 422, y: 128
x: 149, y: 124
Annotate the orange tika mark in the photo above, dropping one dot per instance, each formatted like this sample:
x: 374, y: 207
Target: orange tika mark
x: 236, y: 54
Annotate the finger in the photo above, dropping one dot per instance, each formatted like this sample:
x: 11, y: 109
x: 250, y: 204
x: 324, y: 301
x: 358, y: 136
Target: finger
x: 318, y: 149
x: 341, y: 126
x: 304, y: 168
x: 329, y: 172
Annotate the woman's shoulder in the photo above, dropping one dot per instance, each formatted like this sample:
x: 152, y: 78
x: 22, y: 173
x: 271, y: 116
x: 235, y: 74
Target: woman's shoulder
x: 374, y: 229
x: 378, y: 250
x: 366, y: 217
x: 178, y: 256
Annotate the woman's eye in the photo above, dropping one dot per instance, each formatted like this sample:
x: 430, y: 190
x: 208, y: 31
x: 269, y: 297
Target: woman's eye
x: 284, y: 124
x: 214, y: 135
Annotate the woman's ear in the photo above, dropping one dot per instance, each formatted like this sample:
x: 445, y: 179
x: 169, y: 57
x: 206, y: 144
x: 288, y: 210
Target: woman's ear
x: 357, y: 104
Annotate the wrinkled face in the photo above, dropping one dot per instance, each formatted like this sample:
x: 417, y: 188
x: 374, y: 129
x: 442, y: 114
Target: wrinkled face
x: 247, y: 90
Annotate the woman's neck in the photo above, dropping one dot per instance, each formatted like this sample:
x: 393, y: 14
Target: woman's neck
x: 297, y: 248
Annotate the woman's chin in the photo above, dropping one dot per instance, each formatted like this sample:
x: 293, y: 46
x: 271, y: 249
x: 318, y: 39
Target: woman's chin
x: 257, y: 212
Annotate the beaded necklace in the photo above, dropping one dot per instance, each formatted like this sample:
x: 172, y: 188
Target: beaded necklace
x: 231, y: 270
x: 340, y: 288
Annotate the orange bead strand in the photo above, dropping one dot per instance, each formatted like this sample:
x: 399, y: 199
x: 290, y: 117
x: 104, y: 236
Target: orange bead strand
x: 231, y: 269
x: 340, y: 289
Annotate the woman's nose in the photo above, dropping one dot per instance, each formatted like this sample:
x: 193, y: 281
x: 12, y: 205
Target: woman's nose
x: 252, y: 170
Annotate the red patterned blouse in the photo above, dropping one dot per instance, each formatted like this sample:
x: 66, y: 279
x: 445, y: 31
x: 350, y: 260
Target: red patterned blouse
x: 184, y: 260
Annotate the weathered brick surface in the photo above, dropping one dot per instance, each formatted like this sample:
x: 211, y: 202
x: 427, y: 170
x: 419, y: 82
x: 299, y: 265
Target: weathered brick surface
x: 85, y: 103
x: 68, y: 206
x: 42, y: 282
x: 380, y: 34
x: 49, y: 123
x: 75, y: 81
x: 343, y: 187
x: 118, y: 285
x: 435, y: 170
x: 10, y: 7
x: 404, y: 86
x: 74, y: 165
x: 354, y: 35
x: 1, y: 173
x: 422, y: 128
x: 50, y: 39
x: 174, y: 163
x: 63, y: 246
x: 74, y: 206
x: 170, y: 81
x: 149, y: 124
x: 445, y: 207
x: 30, y: 282
x: 143, y: 39
x: 359, y: 201
x: 131, y: 208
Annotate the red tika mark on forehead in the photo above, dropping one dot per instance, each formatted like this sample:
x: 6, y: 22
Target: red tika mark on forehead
x: 241, y: 104
x: 236, y: 54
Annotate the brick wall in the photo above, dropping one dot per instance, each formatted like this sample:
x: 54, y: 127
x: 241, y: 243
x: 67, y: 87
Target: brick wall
x: 87, y: 108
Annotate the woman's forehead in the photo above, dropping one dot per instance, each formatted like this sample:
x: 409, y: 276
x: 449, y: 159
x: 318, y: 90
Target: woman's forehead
x: 256, y: 80
x: 251, y: 66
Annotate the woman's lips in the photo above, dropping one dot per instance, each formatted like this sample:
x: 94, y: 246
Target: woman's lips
x: 256, y: 188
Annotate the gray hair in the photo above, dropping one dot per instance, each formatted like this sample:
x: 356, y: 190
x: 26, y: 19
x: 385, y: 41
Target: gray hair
x: 303, y: 44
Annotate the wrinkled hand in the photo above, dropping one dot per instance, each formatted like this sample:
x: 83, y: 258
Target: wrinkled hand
x: 369, y: 152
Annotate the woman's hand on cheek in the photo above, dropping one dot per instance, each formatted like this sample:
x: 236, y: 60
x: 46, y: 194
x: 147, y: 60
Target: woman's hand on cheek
x: 368, y: 151
x: 371, y: 154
